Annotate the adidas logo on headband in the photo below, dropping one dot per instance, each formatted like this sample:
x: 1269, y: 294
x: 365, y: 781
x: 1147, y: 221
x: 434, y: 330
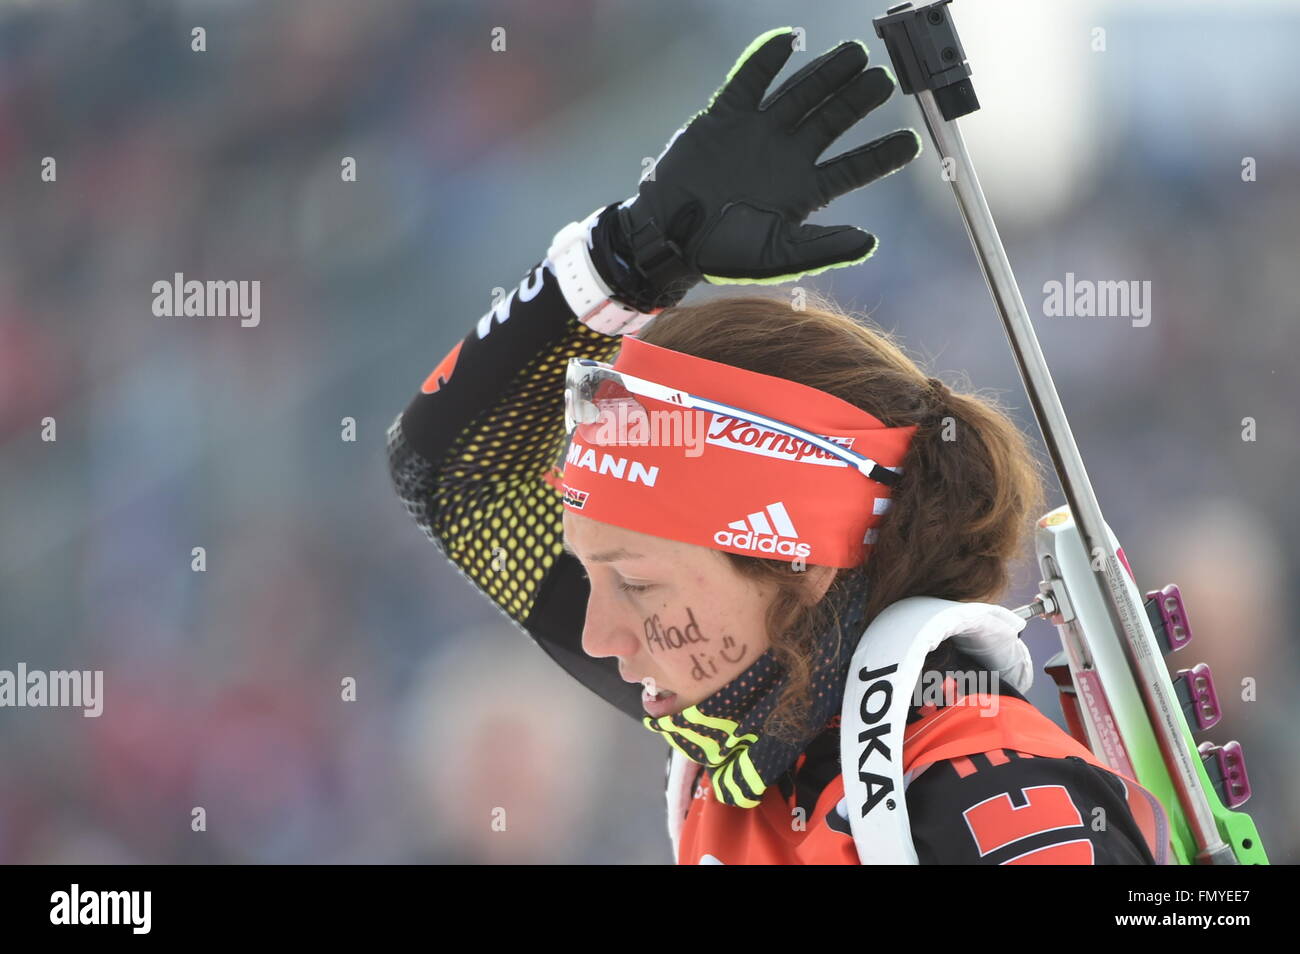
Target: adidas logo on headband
x: 755, y: 532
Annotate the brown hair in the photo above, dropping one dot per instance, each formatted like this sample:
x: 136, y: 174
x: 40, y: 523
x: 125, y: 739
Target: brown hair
x: 961, y: 509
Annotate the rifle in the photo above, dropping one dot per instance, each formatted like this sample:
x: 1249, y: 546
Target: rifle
x: 1116, y: 693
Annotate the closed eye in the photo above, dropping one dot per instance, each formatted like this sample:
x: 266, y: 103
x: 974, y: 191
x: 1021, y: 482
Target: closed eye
x: 623, y: 585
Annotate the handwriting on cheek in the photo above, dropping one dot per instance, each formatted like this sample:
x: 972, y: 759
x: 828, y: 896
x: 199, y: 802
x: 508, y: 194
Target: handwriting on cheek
x: 698, y: 671
x: 672, y: 637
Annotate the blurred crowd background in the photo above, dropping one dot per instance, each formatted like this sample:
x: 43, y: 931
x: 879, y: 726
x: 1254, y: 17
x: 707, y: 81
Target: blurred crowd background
x: 1114, y: 155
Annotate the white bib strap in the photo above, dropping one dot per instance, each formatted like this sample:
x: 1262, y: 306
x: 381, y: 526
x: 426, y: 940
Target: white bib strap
x: 883, y: 674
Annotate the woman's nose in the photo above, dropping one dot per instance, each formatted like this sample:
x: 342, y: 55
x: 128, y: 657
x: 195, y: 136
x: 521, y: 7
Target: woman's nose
x: 605, y: 631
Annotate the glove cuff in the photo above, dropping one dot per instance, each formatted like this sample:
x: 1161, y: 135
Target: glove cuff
x: 588, y: 293
x: 659, y: 260
x: 646, y: 269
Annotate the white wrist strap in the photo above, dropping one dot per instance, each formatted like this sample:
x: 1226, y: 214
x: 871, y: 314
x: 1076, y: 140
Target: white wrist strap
x: 584, y: 290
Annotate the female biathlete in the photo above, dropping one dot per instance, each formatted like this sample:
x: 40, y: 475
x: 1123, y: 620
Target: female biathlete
x: 697, y: 510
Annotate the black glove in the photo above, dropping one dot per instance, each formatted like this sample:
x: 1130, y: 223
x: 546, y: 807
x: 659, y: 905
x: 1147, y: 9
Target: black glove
x: 727, y: 196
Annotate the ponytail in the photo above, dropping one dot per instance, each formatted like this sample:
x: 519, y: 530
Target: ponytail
x: 962, y: 509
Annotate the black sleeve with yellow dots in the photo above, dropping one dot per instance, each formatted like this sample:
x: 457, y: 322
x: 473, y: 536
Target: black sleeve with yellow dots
x: 468, y: 456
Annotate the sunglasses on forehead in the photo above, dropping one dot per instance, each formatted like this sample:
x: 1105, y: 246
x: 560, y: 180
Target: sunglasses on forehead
x: 592, y: 389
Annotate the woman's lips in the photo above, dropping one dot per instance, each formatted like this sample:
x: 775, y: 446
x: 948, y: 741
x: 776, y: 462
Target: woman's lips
x: 655, y: 700
x: 658, y: 706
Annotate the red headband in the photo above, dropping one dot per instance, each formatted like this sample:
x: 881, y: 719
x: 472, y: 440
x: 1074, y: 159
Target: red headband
x: 750, y: 490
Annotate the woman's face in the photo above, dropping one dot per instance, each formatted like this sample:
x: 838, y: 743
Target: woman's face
x: 679, y: 618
